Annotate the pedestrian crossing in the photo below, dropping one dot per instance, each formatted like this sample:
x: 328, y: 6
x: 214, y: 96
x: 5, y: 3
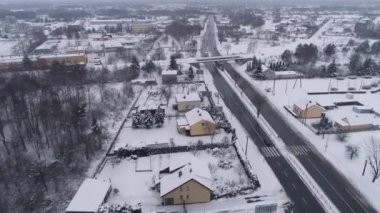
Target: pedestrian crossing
x: 298, y: 150
x: 270, y: 152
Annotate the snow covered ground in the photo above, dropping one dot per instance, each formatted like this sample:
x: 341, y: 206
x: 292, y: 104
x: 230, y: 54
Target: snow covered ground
x: 330, y: 146
x: 6, y: 47
x: 136, y: 186
x: 168, y: 132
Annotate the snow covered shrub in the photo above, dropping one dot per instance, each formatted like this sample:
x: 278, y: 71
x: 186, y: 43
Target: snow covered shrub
x: 225, y: 164
x: 342, y: 137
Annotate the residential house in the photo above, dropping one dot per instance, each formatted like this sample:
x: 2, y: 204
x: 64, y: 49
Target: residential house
x: 90, y: 196
x: 354, y: 123
x: 196, y: 122
x: 186, y: 102
x: 188, y: 184
x: 169, y: 76
x: 307, y: 109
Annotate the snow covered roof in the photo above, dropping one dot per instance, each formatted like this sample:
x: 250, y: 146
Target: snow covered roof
x: 89, y: 196
x: 195, y: 170
x: 286, y: 73
x: 187, y: 97
x: 195, y: 115
x: 355, y: 120
x: 363, y: 107
x: 301, y: 103
x: 182, y: 122
x: 169, y: 72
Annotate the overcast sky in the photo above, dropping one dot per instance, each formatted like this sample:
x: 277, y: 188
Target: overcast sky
x: 315, y: 2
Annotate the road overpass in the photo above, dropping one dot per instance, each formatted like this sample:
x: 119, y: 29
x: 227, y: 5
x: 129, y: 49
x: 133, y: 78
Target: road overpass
x: 215, y: 59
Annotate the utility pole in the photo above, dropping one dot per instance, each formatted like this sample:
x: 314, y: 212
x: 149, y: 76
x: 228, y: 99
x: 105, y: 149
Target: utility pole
x: 365, y: 166
x: 246, y: 146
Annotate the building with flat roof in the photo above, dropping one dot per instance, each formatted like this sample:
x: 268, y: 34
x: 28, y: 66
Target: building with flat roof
x: 90, y: 196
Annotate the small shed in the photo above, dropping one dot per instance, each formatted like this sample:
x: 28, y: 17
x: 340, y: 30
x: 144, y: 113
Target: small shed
x: 90, y: 196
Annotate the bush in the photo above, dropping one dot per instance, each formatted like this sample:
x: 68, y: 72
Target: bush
x: 342, y: 137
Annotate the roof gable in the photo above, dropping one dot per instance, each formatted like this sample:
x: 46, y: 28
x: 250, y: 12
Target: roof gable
x: 195, y: 115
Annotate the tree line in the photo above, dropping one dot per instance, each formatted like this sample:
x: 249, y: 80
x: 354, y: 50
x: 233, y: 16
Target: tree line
x: 51, y: 125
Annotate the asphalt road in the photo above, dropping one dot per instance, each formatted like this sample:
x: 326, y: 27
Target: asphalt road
x: 346, y: 198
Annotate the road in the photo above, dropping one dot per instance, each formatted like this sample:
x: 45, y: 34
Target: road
x: 338, y: 189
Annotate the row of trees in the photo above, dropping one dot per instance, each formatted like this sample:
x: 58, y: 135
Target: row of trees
x: 182, y: 30
x: 358, y: 66
x: 246, y: 18
x: 366, y: 48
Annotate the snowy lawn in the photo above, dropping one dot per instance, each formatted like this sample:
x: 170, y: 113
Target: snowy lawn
x: 135, y: 186
x: 330, y: 146
x: 130, y: 137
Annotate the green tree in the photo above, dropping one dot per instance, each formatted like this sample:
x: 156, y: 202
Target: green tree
x: 363, y: 47
x: 191, y: 73
x: 286, y: 56
x: 375, y: 49
x: 355, y: 64
x: 329, y: 50
x: 332, y: 69
x: 26, y: 62
x: 173, y: 63
x: 135, y: 67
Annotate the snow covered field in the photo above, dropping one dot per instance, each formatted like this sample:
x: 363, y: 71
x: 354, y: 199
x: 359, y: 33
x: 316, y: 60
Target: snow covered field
x: 329, y: 146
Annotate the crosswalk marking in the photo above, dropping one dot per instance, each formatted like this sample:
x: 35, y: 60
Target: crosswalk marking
x: 298, y: 150
x: 270, y: 152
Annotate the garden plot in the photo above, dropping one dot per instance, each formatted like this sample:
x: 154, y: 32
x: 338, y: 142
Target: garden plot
x: 167, y: 134
x: 331, y: 146
x: 134, y: 186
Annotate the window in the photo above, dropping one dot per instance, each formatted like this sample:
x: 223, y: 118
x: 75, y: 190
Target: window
x: 203, y: 124
x: 169, y: 201
x: 187, y: 197
x: 181, y: 197
x: 187, y: 188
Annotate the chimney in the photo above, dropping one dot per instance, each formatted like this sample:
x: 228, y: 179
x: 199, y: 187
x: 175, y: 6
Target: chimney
x: 180, y: 173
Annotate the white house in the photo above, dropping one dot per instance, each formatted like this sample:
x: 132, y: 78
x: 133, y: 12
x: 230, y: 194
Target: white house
x: 186, y: 102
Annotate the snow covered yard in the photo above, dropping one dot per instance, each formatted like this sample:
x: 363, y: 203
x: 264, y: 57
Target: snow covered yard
x: 286, y: 92
x: 168, y: 133
x: 136, y: 186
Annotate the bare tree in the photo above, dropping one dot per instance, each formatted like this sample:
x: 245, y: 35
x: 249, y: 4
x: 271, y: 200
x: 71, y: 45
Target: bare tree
x: 167, y: 92
x: 227, y: 47
x: 373, y: 150
x: 352, y: 151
